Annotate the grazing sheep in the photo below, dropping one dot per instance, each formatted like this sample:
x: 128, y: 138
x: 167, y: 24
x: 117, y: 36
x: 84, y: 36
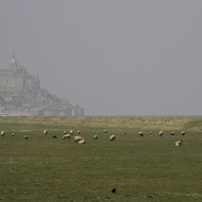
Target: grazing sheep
x: 78, y: 132
x: 81, y: 141
x: 182, y: 133
x: 65, y: 132
x: 26, y: 137
x: 13, y: 134
x: 54, y: 137
x: 2, y: 133
x: 140, y: 134
x: 150, y: 132
x: 178, y: 143
x: 67, y: 136
x: 160, y: 133
x: 123, y: 133
x: 45, y: 132
x: 95, y: 137
x: 172, y: 133
x: 105, y: 131
x: 77, y: 138
x: 71, y: 132
x: 112, y: 137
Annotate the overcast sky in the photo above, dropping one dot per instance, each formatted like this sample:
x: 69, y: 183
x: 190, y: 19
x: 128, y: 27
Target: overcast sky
x: 112, y: 57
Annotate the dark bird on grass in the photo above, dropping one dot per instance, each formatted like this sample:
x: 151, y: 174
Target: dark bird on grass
x: 113, y: 190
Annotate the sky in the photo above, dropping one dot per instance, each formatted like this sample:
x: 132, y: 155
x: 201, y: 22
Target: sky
x: 112, y: 57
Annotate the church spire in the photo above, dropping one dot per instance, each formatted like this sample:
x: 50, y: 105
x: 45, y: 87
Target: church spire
x: 13, y: 61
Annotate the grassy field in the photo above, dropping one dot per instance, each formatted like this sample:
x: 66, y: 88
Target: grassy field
x: 148, y: 168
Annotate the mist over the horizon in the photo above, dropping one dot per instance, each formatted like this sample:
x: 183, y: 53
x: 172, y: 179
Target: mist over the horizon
x: 114, y: 58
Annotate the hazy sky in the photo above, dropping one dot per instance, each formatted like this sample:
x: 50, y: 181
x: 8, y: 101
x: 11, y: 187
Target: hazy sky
x: 112, y: 57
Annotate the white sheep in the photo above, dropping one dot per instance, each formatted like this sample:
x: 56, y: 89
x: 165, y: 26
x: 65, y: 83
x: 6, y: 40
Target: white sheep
x: 182, y: 133
x: 45, y: 132
x: 13, y: 134
x: 2, y: 133
x: 178, y: 143
x: 81, y: 141
x: 140, y: 133
x: 66, y: 136
x: 112, y: 137
x: 78, y: 132
x: 71, y: 132
x: 172, y: 133
x: 26, y: 137
x: 160, y: 133
x: 95, y: 137
x: 105, y: 131
x: 77, y: 138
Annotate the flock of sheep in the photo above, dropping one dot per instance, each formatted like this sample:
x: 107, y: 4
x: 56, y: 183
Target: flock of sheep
x: 78, y: 139
x: 177, y: 143
x: 81, y: 140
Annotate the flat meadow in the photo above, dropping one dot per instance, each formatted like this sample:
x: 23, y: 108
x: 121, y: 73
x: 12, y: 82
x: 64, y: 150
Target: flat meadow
x: 148, y: 168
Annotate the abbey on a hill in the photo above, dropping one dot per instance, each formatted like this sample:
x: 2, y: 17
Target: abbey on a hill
x: 21, y: 95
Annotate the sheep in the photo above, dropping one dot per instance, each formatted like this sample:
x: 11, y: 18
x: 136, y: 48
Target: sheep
x: 95, y: 137
x: 140, y: 134
x: 172, y: 133
x: 183, y: 133
x: 65, y: 132
x: 45, y: 132
x: 160, y: 133
x: 81, y: 141
x: 105, y: 131
x: 67, y: 136
x: 77, y: 138
x: 112, y: 137
x: 2, y: 133
x: 54, y: 137
x: 178, y: 143
x: 26, y: 137
x: 150, y: 132
x: 13, y: 134
x: 71, y: 132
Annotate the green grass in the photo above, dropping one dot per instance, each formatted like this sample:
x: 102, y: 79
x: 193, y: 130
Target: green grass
x: 148, y: 168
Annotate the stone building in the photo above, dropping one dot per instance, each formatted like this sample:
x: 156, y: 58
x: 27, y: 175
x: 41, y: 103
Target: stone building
x: 17, y: 78
x: 21, y: 95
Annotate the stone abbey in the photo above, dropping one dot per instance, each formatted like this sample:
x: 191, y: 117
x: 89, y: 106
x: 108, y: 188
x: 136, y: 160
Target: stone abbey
x: 21, y: 95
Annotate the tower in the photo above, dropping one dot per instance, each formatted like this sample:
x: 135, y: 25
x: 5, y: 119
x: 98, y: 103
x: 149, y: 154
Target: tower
x: 13, y: 62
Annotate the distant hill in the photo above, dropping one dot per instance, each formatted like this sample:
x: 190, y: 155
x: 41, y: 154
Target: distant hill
x: 21, y: 95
